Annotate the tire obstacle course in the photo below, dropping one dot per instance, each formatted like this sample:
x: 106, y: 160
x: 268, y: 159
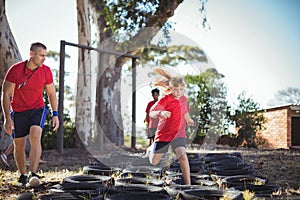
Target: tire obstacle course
x: 213, y: 176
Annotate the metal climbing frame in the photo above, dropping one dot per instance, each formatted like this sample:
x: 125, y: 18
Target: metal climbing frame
x: 63, y: 44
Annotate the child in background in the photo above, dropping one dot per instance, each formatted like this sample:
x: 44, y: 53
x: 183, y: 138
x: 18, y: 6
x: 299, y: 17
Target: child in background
x: 172, y: 111
x: 151, y: 123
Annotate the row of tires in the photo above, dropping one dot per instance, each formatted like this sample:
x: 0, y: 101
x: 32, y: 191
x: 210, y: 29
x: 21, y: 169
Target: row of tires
x: 213, y: 176
x: 98, y: 187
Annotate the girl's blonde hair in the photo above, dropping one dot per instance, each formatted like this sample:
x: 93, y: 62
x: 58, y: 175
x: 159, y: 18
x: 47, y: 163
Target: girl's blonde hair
x: 166, y: 79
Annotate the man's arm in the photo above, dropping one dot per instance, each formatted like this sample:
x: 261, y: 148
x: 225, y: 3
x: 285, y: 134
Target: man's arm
x: 50, y: 89
x: 6, y: 94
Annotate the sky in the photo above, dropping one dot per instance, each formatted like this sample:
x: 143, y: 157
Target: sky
x: 253, y: 43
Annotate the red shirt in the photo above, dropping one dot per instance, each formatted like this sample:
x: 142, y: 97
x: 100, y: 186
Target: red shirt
x: 30, y: 95
x: 153, y: 122
x: 173, y: 127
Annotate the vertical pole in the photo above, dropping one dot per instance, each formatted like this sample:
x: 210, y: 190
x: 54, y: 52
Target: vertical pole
x: 99, y: 105
x: 60, y: 134
x: 133, y: 136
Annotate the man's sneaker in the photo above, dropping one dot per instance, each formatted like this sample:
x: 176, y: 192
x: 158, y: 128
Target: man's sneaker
x: 4, y: 159
x: 22, y: 180
x: 34, y: 180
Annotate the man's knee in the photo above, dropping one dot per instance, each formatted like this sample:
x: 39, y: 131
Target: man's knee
x: 35, y: 134
x: 19, y: 148
x: 19, y: 144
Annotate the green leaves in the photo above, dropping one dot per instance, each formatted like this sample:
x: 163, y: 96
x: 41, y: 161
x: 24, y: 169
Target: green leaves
x: 208, y: 104
x: 173, y: 55
x: 249, y: 120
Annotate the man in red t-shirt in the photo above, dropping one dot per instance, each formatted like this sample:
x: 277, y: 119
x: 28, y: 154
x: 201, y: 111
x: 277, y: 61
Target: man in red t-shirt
x: 150, y: 122
x: 24, y: 109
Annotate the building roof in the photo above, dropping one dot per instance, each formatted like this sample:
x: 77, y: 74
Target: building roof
x: 291, y: 106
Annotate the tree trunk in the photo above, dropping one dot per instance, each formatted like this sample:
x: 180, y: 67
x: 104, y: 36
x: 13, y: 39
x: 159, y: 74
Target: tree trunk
x: 108, y: 107
x: 83, y: 118
x: 108, y: 98
x: 9, y: 54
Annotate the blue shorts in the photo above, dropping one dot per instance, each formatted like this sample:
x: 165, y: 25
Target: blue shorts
x: 163, y: 147
x: 24, y: 120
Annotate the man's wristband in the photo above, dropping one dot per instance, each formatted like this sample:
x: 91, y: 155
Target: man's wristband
x: 55, y: 114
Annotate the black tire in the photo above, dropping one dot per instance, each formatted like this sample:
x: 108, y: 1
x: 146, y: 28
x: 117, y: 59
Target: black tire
x: 136, y: 188
x: 210, y: 193
x: 192, y: 194
x: 138, y: 196
x: 100, y: 170
x: 90, y: 190
x: 25, y: 196
x: 227, y: 164
x: 88, y: 179
x: 196, y: 166
x: 196, y: 179
x: 61, y: 196
x: 134, y: 174
x: 230, y: 167
x: 235, y: 154
x: 80, y: 186
x: 87, y: 194
x: 233, y: 172
x: 143, y: 169
x: 259, y: 190
x: 220, y: 158
x: 243, y: 180
x: 137, y: 180
x: 175, y: 190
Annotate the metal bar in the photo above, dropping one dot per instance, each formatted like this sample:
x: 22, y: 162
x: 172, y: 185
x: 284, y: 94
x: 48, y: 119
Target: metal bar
x: 101, y: 50
x: 133, y: 136
x: 60, y: 134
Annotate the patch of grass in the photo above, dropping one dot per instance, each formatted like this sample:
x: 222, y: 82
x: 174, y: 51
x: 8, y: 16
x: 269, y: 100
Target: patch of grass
x: 139, y: 141
x: 247, y: 195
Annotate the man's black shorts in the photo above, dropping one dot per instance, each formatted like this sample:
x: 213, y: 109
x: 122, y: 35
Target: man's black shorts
x: 24, y: 120
x: 163, y: 147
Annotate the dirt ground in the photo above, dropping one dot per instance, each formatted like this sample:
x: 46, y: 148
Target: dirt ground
x: 280, y: 167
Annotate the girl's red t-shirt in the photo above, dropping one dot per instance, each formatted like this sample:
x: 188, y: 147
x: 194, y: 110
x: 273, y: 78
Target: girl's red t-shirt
x: 173, y: 127
x: 30, y: 95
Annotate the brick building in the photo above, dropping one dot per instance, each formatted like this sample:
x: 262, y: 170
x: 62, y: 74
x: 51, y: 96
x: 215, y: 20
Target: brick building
x: 282, y: 127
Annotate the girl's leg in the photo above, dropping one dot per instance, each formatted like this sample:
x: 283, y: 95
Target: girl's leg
x: 184, y: 164
x: 155, y: 158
